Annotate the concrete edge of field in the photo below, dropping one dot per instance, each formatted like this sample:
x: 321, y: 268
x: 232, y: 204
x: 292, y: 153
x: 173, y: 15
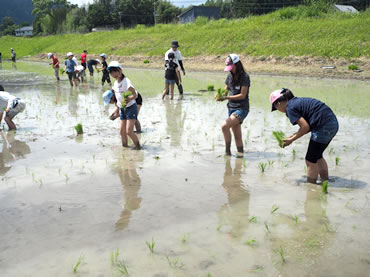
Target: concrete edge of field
x: 302, y: 66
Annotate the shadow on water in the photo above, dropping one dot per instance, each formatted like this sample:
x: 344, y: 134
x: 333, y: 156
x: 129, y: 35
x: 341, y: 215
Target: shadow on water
x: 12, y: 149
x: 340, y: 182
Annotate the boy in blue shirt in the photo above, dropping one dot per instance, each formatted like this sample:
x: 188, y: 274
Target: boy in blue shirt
x: 70, y: 68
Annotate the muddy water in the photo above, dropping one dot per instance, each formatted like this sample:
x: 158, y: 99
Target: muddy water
x: 64, y: 196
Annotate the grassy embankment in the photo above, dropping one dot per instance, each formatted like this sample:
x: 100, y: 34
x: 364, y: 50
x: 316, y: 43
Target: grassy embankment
x: 280, y: 34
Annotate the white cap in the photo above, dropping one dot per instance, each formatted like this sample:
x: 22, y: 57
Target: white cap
x: 49, y: 55
x: 114, y: 64
x: 69, y: 54
x: 98, y: 60
x: 102, y: 55
x: 230, y: 61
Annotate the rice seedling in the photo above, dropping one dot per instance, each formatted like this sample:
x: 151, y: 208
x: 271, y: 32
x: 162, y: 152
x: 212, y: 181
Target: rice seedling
x: 267, y: 229
x: 66, y: 176
x: 122, y: 268
x: 221, y: 93
x: 114, y: 257
x: 262, y: 166
x: 219, y: 226
x: 274, y: 208
x: 293, y: 154
x: 244, y: 163
x: 253, y: 219
x: 296, y: 219
x: 329, y: 228
x: 210, y: 87
x: 325, y: 185
x: 279, y: 136
x: 80, y: 262
x: 270, y: 163
x: 251, y: 242
x: 124, y: 97
x: 175, y: 262
x: 146, y: 61
x: 331, y: 151
x: 79, y: 129
x: 150, y: 245
x: 185, y: 238
x: 353, y: 67
x: 337, y: 160
x: 282, y: 255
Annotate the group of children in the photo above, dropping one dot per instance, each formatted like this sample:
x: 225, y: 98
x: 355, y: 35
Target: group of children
x: 76, y: 72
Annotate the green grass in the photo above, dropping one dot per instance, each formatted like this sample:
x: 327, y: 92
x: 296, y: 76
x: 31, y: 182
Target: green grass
x: 150, y: 245
x: 276, y: 34
x: 80, y: 261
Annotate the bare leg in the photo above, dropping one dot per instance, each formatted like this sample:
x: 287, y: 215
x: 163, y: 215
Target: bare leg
x: 312, y: 172
x: 323, y: 169
x: 237, y: 130
x: 10, y: 123
x: 137, y: 123
x: 130, y: 132
x: 123, y: 133
x: 165, y: 91
x: 172, y: 89
x: 229, y: 123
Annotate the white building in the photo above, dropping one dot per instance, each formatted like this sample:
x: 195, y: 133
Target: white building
x: 24, y: 31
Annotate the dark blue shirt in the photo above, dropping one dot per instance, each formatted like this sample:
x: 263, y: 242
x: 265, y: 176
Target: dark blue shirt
x: 70, y: 65
x: 236, y: 89
x: 315, y: 112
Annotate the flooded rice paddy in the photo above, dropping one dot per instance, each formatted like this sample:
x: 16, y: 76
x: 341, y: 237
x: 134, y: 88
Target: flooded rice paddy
x: 178, y: 207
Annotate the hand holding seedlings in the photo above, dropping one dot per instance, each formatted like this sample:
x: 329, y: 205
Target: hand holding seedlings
x: 125, y: 99
x: 280, y: 137
x: 221, y: 94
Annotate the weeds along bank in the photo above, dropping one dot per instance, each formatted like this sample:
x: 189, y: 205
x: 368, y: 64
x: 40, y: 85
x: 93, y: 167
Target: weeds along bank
x: 282, y: 33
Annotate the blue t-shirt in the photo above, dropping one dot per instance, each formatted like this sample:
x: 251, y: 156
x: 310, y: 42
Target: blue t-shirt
x: 70, y: 65
x: 315, y: 112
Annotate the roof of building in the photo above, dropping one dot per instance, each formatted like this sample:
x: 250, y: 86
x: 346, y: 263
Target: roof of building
x: 199, y: 7
x: 27, y: 28
x: 346, y: 8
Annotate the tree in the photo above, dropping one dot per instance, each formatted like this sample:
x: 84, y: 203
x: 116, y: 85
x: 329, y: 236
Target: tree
x: 8, y: 27
x: 167, y: 12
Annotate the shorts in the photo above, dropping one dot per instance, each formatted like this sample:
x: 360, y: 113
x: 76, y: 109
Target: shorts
x: 84, y: 65
x: 71, y: 75
x: 105, y: 78
x: 170, y: 82
x: 17, y: 109
x: 90, y: 67
x: 239, y: 113
x: 129, y: 112
x: 139, y: 99
x: 320, y: 140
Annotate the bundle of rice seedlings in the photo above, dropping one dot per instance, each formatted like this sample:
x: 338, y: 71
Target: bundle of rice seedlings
x: 221, y: 93
x: 280, y: 136
x: 79, y: 129
x: 325, y: 185
x: 210, y: 87
x: 124, y: 97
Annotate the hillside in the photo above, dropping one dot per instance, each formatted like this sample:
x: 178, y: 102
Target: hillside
x: 19, y: 10
x: 335, y: 36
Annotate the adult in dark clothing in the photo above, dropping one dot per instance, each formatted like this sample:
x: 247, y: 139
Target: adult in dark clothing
x: 90, y: 65
x: 178, y: 60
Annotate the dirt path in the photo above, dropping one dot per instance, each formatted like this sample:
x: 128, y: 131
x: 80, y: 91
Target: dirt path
x: 296, y: 66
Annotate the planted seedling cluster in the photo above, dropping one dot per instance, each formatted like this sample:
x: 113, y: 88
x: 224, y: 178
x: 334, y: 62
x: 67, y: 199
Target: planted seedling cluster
x: 279, y: 135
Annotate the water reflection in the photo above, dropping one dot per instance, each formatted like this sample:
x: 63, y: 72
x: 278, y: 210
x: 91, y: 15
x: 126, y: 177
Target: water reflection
x: 12, y: 149
x: 73, y: 101
x: 131, y: 184
x: 175, y: 121
x: 234, y: 214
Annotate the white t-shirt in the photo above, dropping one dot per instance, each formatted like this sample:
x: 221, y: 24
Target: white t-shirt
x: 120, y: 88
x: 178, y: 56
x: 76, y: 61
x: 6, y: 100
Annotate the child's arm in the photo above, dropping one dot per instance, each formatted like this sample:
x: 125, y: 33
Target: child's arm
x: 304, y: 128
x: 133, y: 95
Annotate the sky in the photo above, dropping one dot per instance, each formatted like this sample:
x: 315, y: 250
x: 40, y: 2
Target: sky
x: 178, y: 3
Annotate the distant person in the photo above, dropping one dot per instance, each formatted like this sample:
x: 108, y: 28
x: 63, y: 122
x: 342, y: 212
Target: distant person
x: 11, y: 105
x: 128, y: 112
x: 90, y: 65
x: 13, y: 54
x: 84, y: 59
x: 178, y: 60
x: 69, y: 67
x: 104, y: 70
x: 1, y: 58
x: 312, y: 116
x: 171, y: 74
x: 55, y: 63
x: 237, y: 84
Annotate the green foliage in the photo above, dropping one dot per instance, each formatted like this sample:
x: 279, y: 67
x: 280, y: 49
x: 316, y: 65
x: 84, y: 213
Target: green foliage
x: 353, y: 67
x: 80, y: 261
x: 280, y: 136
x: 325, y: 186
x: 265, y: 35
x: 8, y: 26
x: 262, y: 166
x: 251, y: 242
x: 337, y: 160
x: 79, y: 129
x: 124, y: 97
x: 274, y: 209
x: 150, y: 245
x: 210, y: 87
x: 146, y: 61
